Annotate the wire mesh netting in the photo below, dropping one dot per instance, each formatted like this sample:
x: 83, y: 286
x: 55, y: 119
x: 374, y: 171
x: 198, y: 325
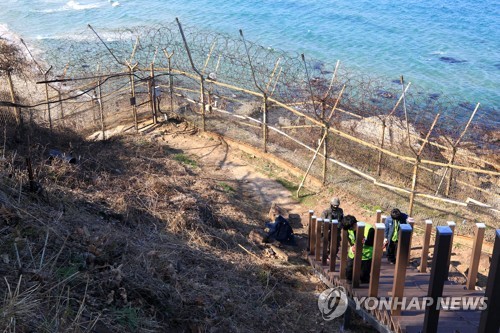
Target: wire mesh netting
x: 264, y: 97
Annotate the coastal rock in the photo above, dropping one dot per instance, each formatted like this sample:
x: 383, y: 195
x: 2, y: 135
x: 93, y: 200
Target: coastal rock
x: 371, y: 129
x: 452, y: 60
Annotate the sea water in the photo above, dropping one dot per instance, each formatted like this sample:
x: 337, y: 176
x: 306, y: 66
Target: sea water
x: 448, y: 47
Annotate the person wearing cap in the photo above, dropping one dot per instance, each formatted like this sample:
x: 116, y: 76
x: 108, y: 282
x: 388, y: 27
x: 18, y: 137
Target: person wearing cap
x: 392, y: 225
x: 349, y: 223
x: 334, y: 212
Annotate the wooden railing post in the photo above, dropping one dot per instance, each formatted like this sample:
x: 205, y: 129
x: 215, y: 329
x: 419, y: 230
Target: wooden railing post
x: 356, y: 270
x: 411, y: 222
x: 439, y: 274
x: 312, y: 239
x: 334, y: 230
x: 378, y: 248
x: 317, y: 250
x: 326, y: 238
x: 452, y: 225
x: 311, y: 213
x: 343, y: 254
x: 476, y: 255
x: 379, y: 216
x: 400, y: 269
x: 425, y: 246
x: 490, y: 320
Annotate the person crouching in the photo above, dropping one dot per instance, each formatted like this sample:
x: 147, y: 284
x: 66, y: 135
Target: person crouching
x: 349, y: 223
x: 392, y: 226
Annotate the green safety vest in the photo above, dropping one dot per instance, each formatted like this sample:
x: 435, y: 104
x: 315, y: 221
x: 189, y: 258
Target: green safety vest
x: 367, y: 250
x: 396, y: 231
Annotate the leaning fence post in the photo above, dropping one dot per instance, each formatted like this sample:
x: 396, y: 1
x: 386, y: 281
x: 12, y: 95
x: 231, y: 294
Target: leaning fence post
x: 311, y: 213
x: 47, y: 97
x: 382, y: 139
x: 490, y: 320
x: 356, y: 271
x: 378, y: 248
x: 312, y: 239
x: 202, y: 79
x: 334, y: 230
x: 343, y: 254
x: 326, y: 238
x: 400, y: 269
x: 452, y: 225
x: 317, y: 250
x: 439, y: 274
x: 476, y: 255
x: 101, y: 108
x: 425, y: 246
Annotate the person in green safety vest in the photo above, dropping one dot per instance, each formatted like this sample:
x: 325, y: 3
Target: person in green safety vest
x: 349, y: 223
x: 392, y: 224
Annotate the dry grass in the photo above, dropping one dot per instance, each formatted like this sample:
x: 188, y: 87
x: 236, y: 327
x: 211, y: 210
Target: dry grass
x: 131, y: 239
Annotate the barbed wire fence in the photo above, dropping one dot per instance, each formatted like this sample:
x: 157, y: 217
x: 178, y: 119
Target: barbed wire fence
x: 321, y: 117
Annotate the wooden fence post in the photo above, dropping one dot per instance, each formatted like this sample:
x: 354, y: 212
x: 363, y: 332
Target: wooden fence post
x: 317, y: 250
x: 379, y: 216
x: 400, y: 269
x: 325, y: 157
x: 378, y: 248
x: 61, y: 107
x: 264, y: 124
x: 13, y: 99
x: 47, y: 98
x: 411, y: 222
x: 425, y: 246
x: 476, y: 255
x: 382, y: 140
x: 312, y: 242
x: 101, y: 108
x: 152, y: 94
x: 311, y: 213
x: 356, y: 271
x: 452, y: 225
x: 343, y: 254
x: 170, y: 78
x: 490, y: 320
x: 439, y: 274
x: 334, y: 230
x: 133, y: 102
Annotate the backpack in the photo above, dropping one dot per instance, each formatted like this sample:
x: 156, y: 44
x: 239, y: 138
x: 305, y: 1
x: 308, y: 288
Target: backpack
x: 281, y: 230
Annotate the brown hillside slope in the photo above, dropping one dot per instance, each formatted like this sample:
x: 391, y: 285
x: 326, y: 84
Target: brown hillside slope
x: 140, y: 237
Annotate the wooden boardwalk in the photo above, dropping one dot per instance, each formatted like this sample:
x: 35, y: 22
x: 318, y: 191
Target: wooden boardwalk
x: 415, y: 285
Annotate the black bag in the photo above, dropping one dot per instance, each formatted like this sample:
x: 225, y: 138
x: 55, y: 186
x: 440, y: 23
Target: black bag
x: 281, y: 230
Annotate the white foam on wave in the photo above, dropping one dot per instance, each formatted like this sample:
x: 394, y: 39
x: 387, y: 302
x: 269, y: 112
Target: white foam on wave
x: 72, y: 6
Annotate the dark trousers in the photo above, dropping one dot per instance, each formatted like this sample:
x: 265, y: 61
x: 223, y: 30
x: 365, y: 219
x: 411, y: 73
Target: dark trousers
x: 392, y: 248
x: 366, y: 266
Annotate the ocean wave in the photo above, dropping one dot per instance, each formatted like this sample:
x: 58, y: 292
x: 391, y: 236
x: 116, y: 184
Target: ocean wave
x: 72, y: 6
